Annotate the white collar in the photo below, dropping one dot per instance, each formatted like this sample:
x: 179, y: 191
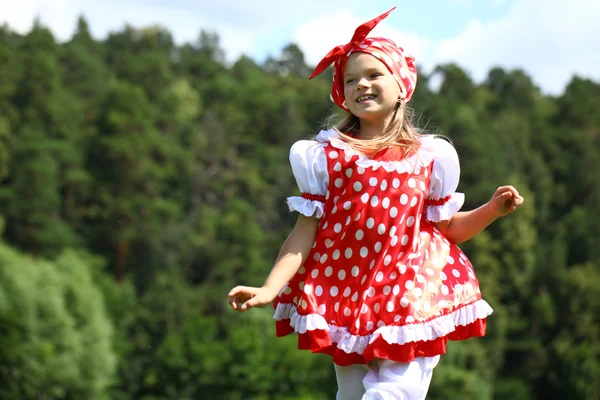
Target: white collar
x: 422, y: 158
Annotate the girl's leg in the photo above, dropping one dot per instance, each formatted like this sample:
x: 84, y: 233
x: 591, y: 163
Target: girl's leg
x: 400, y: 381
x: 350, y: 381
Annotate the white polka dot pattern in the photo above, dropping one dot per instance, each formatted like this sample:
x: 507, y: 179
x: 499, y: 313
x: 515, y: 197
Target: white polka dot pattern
x: 377, y: 263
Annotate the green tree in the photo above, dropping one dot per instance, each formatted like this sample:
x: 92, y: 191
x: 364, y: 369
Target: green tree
x: 127, y: 160
x: 32, y: 196
x: 57, y: 338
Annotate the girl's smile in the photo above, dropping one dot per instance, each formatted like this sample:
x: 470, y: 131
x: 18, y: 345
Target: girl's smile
x: 365, y: 98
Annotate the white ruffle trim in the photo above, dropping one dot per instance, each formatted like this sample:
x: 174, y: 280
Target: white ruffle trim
x: 430, y: 330
x: 446, y: 210
x: 305, y: 206
x: 421, y: 159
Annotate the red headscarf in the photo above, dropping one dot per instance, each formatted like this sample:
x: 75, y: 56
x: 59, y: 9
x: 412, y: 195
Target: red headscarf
x: 400, y: 64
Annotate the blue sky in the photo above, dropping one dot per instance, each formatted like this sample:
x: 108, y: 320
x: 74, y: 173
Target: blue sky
x: 550, y: 39
x: 435, y: 19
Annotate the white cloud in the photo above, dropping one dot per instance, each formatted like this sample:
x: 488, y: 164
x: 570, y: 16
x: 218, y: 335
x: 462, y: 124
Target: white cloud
x: 320, y: 35
x: 468, y: 2
x: 239, y: 24
x: 550, y: 40
x: 112, y: 15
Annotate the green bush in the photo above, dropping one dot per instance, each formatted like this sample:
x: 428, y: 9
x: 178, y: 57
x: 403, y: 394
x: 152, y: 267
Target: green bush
x: 56, y: 336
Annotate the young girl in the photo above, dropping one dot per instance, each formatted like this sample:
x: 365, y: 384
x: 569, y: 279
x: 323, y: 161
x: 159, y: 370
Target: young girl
x: 371, y: 273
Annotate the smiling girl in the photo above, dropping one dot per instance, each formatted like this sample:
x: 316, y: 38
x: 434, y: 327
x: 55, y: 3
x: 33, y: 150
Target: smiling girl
x: 371, y: 274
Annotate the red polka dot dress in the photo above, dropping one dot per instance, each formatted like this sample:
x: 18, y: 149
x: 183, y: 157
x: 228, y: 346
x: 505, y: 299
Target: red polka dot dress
x: 380, y: 281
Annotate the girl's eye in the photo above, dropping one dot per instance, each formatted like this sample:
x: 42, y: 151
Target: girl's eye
x: 349, y: 81
x: 376, y: 74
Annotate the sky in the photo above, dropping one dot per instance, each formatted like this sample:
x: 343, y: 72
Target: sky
x: 551, y: 40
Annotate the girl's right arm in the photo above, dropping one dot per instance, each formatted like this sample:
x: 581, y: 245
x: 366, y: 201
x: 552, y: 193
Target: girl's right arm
x: 293, y: 254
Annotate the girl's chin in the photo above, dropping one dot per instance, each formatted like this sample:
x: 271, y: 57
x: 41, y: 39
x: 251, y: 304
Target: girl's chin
x: 366, y: 108
x: 369, y: 111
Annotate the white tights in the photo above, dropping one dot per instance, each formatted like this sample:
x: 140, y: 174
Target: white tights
x: 386, y: 380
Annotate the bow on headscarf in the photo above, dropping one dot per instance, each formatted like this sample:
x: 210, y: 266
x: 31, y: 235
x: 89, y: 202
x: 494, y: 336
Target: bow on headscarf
x: 400, y: 64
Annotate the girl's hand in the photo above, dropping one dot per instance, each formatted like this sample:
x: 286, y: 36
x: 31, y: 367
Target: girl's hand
x: 242, y: 298
x: 505, y: 200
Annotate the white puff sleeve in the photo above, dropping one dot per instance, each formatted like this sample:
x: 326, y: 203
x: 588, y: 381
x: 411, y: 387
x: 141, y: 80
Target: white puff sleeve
x: 309, y: 165
x: 442, y: 201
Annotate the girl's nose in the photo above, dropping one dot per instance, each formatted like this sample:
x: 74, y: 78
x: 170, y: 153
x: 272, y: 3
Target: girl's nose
x: 362, y: 83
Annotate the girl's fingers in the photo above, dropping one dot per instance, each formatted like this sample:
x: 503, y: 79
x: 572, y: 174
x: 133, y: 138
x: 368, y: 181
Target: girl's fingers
x: 237, y: 289
x: 243, y: 290
x: 239, y: 305
x: 514, y: 192
x: 510, y: 193
x: 241, y: 297
x: 502, y: 189
x: 247, y: 305
x: 508, y: 189
x: 504, y: 197
x: 233, y: 302
x: 519, y: 200
x: 256, y: 301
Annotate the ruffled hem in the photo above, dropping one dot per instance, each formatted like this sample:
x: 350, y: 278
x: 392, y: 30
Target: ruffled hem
x: 422, y: 159
x: 398, y: 343
x: 446, y: 210
x: 305, y: 206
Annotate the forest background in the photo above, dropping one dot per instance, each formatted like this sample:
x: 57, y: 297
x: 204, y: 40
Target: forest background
x: 141, y: 180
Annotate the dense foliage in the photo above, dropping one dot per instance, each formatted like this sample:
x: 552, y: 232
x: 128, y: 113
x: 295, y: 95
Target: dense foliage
x: 140, y: 180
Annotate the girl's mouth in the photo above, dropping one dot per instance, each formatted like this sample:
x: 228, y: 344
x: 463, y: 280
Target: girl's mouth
x: 365, y: 98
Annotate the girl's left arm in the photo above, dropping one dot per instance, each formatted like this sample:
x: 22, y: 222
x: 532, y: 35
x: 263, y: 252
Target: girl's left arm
x: 465, y: 225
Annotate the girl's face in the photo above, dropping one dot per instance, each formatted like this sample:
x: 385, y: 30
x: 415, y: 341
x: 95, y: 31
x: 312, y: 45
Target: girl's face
x: 370, y: 90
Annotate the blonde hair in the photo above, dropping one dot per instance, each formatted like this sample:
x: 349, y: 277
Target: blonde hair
x: 398, y: 131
